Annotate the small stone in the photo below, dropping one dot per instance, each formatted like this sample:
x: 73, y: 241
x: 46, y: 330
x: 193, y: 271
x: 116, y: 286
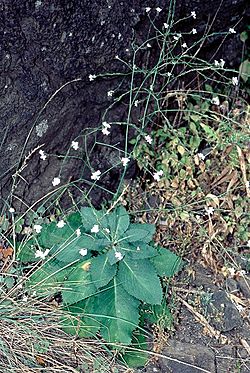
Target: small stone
x: 223, y: 313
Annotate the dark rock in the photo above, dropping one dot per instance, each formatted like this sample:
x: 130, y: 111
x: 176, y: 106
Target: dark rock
x: 188, y: 358
x: 231, y: 285
x: 244, y: 286
x: 45, y: 47
x: 223, y: 313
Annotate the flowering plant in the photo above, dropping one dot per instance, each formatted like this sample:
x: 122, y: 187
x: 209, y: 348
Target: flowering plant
x: 104, y: 267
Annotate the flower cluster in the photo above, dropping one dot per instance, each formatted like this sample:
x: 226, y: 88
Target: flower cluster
x: 105, y: 127
x: 56, y: 181
x: 75, y: 145
x: 125, y: 161
x: 43, y: 156
x: 219, y: 64
x: 157, y: 175
x: 96, y: 175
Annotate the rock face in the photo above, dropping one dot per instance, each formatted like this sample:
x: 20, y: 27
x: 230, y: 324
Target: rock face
x: 48, y: 49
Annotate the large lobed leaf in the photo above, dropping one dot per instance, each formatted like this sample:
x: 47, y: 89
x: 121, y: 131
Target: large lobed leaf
x: 118, y: 313
x: 139, y: 278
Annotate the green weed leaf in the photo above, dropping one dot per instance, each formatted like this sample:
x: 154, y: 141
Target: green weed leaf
x: 119, y: 313
x: 140, y: 232
x: 78, y: 285
x: 166, y: 263
x: 101, y: 270
x: 138, y: 277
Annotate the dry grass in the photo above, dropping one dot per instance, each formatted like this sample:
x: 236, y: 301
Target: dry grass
x: 31, y: 341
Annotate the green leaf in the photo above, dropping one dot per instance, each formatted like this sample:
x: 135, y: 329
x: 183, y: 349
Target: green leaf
x: 26, y: 251
x: 48, y: 278
x: 208, y: 88
x: 111, y: 257
x: 79, y: 319
x: 166, y: 263
x: 101, y: 270
x: 69, y: 251
x: 91, y: 217
x: 139, y: 279
x: 118, y: 221
x: 245, y: 70
x: 244, y: 36
x: 78, y: 285
x: 210, y: 132
x: 136, y: 359
x: 141, y: 250
x: 140, y: 232
x: 158, y: 314
x: 118, y: 311
x: 52, y: 235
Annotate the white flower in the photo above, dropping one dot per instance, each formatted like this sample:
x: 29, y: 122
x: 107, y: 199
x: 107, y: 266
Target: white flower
x: 215, y: 101
x: 43, y: 156
x: 166, y: 25
x: 75, y: 145
x: 222, y: 63
x: 232, y: 30
x: 149, y: 45
x: 231, y: 271
x: 209, y: 210
x: 184, y: 45
x: 136, y: 103
x: 147, y: 9
x: 219, y: 64
x: 118, y: 255
x: 61, y: 224
x: 78, y: 232
x: 37, y: 228
x: 110, y: 93
x: 95, y: 228
x: 125, y: 161
x: 177, y: 37
x: 193, y: 14
x: 41, y: 254
x: 25, y: 298
x: 106, y: 125
x: 11, y: 210
x: 235, y: 80
x: 149, y: 139
x: 169, y: 74
x: 27, y: 230
x: 158, y: 9
x: 157, y: 175
x: 83, y: 252
x: 194, y: 31
x: 96, y: 175
x: 201, y: 156
x: 107, y: 230
x: 92, y: 77
x: 105, y: 131
x: 56, y: 181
